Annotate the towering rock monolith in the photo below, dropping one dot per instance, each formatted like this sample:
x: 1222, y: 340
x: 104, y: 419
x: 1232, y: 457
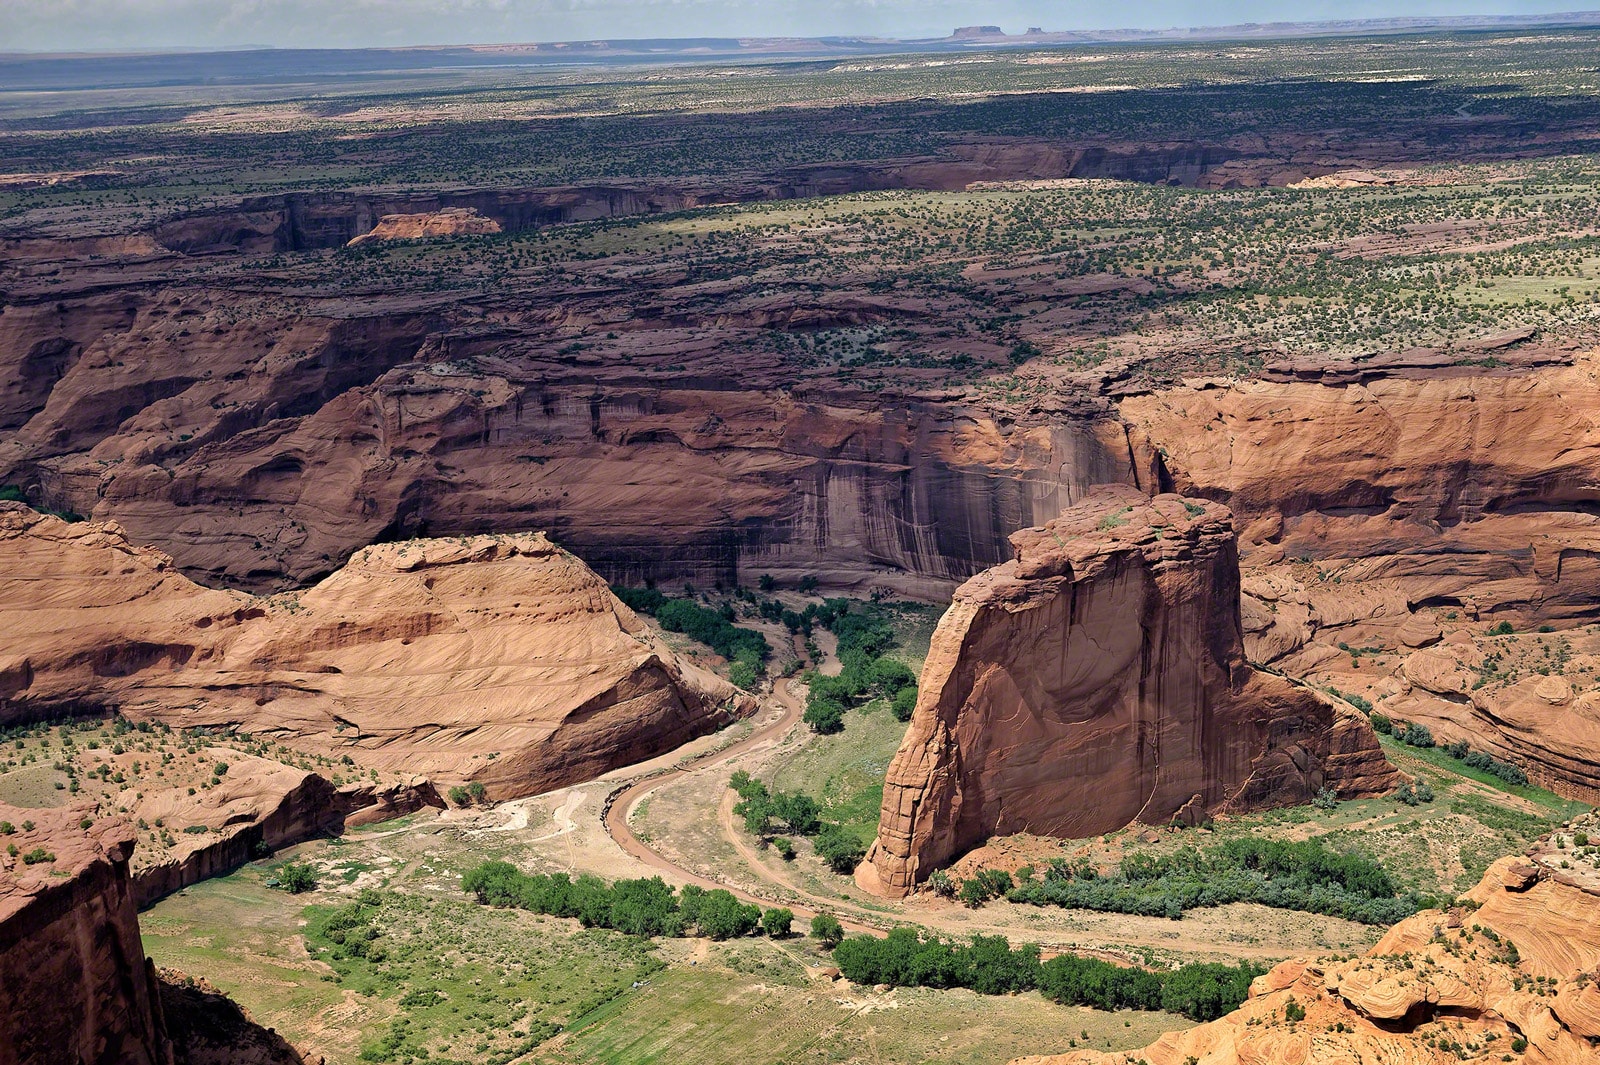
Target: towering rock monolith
x: 1098, y: 679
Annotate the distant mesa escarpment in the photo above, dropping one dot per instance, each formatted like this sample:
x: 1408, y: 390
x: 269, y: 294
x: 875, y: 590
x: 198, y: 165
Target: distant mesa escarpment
x: 447, y: 222
x: 1097, y: 679
x: 75, y: 985
x: 299, y: 221
x: 501, y: 660
x: 1507, y: 974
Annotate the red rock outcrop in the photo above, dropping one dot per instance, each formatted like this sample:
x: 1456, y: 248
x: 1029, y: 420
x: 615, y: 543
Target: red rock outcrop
x: 498, y: 659
x: 446, y: 222
x: 75, y: 986
x: 1385, y: 509
x: 1514, y: 975
x: 1097, y: 679
x: 260, y: 805
x: 261, y: 440
x: 74, y: 982
x: 1454, y: 485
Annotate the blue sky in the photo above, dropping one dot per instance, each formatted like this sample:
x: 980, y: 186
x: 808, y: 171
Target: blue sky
x: 110, y: 24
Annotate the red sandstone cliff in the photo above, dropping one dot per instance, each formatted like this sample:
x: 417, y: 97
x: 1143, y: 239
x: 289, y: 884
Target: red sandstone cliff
x: 1097, y: 679
x: 74, y: 983
x: 499, y: 659
x: 1514, y: 975
x: 1405, y: 512
x: 75, y: 986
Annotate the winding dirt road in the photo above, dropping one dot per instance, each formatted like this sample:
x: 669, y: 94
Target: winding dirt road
x: 620, y: 805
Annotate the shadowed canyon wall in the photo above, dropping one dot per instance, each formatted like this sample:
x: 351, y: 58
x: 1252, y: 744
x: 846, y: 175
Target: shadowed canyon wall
x: 74, y: 983
x: 1098, y: 678
x: 261, y: 449
x: 75, y: 986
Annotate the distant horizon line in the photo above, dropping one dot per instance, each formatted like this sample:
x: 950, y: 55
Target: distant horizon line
x: 973, y: 35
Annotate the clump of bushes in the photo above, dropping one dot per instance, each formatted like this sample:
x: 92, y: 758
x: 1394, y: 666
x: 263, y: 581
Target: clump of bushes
x: 745, y: 649
x: 466, y: 796
x: 866, y: 671
x: 1415, y: 793
x: 801, y: 815
x: 1304, y: 875
x: 1414, y: 735
x: 990, y: 966
x: 646, y: 908
x: 297, y: 878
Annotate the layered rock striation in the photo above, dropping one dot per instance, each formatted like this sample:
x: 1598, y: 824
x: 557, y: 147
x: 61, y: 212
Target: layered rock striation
x: 1097, y: 679
x: 497, y: 659
x: 1512, y: 974
x: 1407, y: 508
x: 1457, y: 486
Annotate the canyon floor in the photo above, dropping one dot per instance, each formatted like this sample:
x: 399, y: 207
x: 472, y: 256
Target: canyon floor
x: 695, y: 998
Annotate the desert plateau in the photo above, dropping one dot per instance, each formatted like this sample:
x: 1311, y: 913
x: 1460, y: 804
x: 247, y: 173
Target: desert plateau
x: 813, y: 547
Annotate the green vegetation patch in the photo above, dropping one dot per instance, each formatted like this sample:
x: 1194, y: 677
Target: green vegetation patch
x: 989, y: 965
x: 469, y: 984
x: 1306, y: 875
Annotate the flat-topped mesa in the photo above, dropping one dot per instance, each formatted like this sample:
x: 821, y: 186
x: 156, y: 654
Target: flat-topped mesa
x: 446, y: 222
x: 1098, y: 679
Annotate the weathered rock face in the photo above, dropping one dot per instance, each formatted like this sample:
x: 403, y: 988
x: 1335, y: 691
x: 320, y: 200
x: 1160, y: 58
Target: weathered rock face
x: 1458, y: 486
x: 1404, y: 513
x: 1097, y: 679
x: 499, y: 659
x: 1522, y: 965
x: 262, y: 804
x: 74, y: 983
x: 261, y: 440
x: 75, y: 986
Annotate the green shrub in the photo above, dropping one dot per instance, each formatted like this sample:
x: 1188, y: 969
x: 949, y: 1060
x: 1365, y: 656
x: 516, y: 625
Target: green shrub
x: 777, y: 922
x: 1303, y: 875
x: 903, y: 703
x: 840, y: 849
x: 297, y: 878
x: 826, y: 929
x: 1417, y: 736
x: 743, y: 675
x: 990, y: 966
